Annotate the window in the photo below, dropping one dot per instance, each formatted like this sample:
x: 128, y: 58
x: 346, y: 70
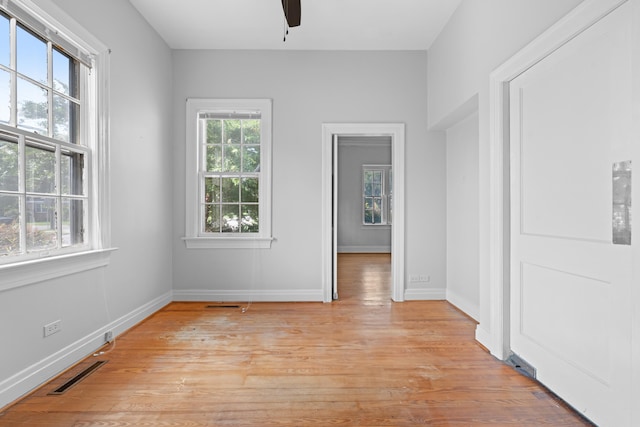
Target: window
x: 376, y: 194
x: 228, y: 184
x: 49, y: 115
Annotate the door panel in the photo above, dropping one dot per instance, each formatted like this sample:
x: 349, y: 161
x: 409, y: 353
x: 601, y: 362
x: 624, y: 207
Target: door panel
x: 570, y: 286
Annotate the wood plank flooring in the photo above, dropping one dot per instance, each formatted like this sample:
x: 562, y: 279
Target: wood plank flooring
x: 360, y: 361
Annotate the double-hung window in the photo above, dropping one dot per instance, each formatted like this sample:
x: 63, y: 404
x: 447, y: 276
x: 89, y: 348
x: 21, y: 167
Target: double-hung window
x: 228, y: 173
x: 48, y: 140
x: 377, y: 197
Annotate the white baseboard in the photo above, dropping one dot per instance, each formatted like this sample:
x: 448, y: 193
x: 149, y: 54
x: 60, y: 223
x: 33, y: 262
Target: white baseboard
x: 484, y: 338
x: 463, y: 304
x: 424, y: 294
x: 37, y: 374
x: 364, y: 249
x: 294, y: 295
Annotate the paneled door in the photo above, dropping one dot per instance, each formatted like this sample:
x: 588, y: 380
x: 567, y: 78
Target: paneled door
x: 570, y: 289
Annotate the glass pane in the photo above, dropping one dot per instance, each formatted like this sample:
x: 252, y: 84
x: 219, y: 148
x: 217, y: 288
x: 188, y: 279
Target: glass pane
x: 73, y: 222
x: 64, y: 114
x: 230, y: 190
x: 377, y: 177
x: 377, y: 189
x: 31, y: 59
x: 251, y: 158
x: 232, y: 131
x: 5, y: 97
x: 214, y: 131
x: 230, y: 218
x: 251, y: 131
x: 212, y: 218
x: 42, y: 232
x: 368, y: 188
x: 250, y: 219
x: 377, y: 211
x: 8, y: 166
x: 71, y: 174
x: 250, y: 190
x: 231, y: 158
x: 62, y: 73
x: 32, y: 107
x: 9, y: 225
x: 5, y: 53
x: 214, y: 158
x: 40, y: 170
x: 211, y: 190
x: 367, y: 217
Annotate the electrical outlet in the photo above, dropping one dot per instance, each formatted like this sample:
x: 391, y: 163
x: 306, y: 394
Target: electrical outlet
x: 108, y: 336
x: 414, y: 278
x: 52, y: 328
x: 424, y: 278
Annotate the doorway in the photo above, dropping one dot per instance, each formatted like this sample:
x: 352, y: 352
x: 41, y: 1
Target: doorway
x: 330, y: 135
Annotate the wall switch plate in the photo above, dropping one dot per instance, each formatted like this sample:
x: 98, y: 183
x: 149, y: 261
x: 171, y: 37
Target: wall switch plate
x: 52, y: 328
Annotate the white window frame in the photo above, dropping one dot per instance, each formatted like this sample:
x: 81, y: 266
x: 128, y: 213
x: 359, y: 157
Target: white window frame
x: 195, y: 238
x: 386, y: 206
x: 46, y: 18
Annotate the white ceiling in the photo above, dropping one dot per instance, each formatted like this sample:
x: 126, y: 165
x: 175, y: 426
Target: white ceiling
x: 325, y: 24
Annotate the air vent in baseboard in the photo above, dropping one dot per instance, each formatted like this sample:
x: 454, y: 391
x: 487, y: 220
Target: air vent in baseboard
x: 75, y: 380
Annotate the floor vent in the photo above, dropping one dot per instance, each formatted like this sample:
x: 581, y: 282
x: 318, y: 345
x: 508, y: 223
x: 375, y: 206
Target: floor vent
x: 223, y: 306
x: 75, y: 380
x: 521, y: 366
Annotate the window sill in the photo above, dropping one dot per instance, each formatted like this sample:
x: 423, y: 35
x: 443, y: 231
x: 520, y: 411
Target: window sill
x: 28, y: 272
x: 228, y: 242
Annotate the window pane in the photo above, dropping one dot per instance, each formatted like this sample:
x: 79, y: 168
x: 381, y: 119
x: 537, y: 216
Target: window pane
x: 73, y: 222
x: 32, y: 107
x: 42, y: 231
x: 250, y: 190
x: 4, y: 40
x: 231, y: 158
x: 232, y: 131
x: 212, y: 218
x: 31, y: 59
x: 8, y: 166
x: 251, y: 158
x: 377, y: 211
x: 64, y: 112
x: 251, y: 131
x: 250, y: 219
x: 230, y: 218
x: 211, y: 190
x: 214, y: 158
x: 214, y: 131
x: 230, y: 190
x: 63, y: 73
x: 9, y: 225
x: 368, y: 217
x: 40, y: 170
x: 72, y: 173
x: 5, y: 97
x: 377, y: 189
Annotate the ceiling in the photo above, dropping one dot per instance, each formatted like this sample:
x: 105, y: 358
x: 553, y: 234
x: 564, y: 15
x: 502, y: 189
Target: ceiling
x: 325, y: 24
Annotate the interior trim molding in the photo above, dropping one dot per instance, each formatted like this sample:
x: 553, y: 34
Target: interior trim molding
x: 250, y: 295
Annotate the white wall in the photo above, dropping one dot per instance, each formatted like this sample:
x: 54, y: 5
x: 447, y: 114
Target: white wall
x: 353, y: 236
x: 138, y: 278
x: 309, y: 89
x: 481, y: 35
x: 463, y: 288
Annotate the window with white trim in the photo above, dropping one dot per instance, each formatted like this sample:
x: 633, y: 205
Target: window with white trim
x: 228, y: 173
x: 48, y: 140
x: 377, y: 196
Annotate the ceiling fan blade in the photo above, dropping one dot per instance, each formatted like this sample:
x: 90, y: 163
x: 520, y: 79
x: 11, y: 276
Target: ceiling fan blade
x: 292, y: 12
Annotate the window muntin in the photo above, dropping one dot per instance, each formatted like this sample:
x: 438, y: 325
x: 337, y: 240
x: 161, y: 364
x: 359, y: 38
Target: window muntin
x: 44, y: 200
x: 229, y: 179
x: 376, y: 194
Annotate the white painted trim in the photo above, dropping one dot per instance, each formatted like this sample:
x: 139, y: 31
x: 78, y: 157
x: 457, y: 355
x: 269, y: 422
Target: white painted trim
x: 397, y: 132
x: 37, y: 374
x: 496, y: 336
x: 425, y: 295
x: 235, y: 295
x: 464, y: 305
x: 227, y: 242
x: 364, y: 249
x: 34, y: 271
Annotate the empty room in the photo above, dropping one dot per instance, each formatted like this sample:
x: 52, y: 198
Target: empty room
x: 336, y: 212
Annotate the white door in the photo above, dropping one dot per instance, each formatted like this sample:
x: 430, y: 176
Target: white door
x: 570, y: 121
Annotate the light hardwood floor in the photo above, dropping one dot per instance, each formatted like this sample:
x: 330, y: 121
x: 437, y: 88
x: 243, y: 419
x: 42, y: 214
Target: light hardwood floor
x: 360, y: 361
